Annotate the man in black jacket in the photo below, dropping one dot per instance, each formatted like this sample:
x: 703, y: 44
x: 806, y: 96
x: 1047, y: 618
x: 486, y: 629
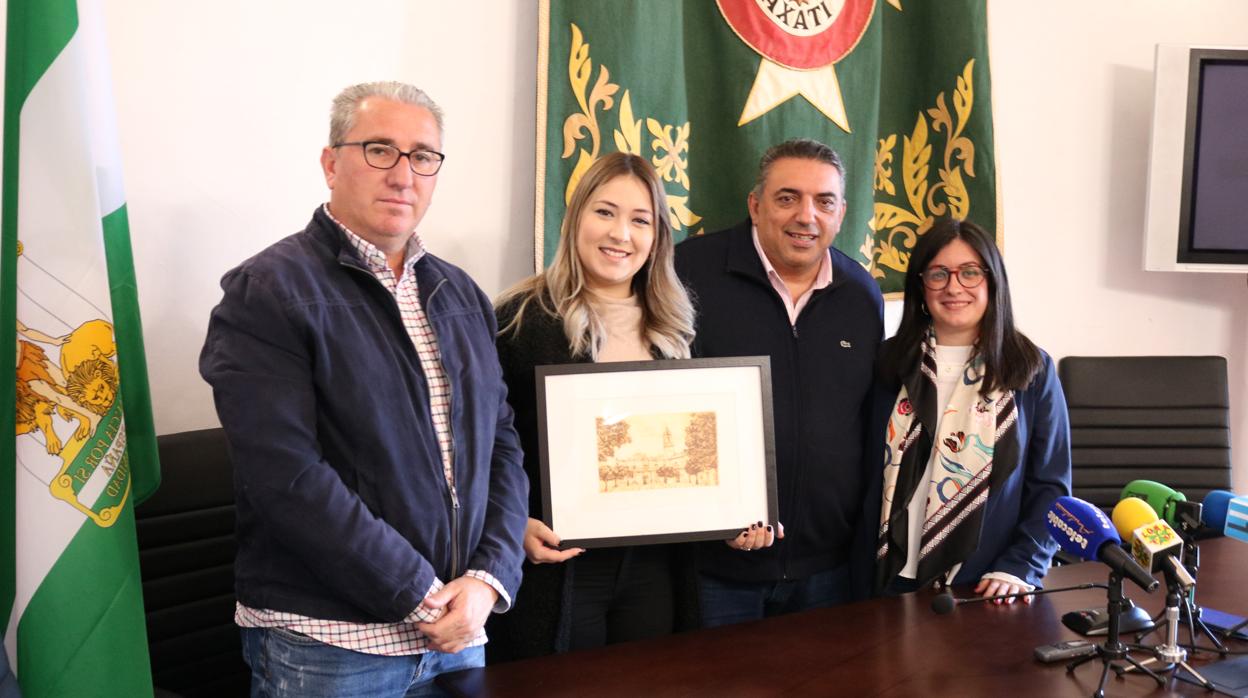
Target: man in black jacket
x: 774, y: 286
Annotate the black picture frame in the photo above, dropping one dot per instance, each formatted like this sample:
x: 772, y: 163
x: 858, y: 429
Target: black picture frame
x: 577, y: 406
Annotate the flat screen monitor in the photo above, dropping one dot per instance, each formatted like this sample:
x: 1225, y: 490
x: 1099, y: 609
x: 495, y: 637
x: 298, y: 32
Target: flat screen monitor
x: 1198, y: 161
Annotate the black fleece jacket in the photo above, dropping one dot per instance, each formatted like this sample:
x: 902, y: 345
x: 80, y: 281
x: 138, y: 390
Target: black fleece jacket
x: 821, y: 371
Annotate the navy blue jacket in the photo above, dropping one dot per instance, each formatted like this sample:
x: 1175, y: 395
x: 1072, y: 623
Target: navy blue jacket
x: 343, y: 508
x: 1014, y: 537
x: 821, y: 374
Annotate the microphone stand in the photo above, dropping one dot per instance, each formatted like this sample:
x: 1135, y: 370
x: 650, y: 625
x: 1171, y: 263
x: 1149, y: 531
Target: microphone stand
x: 1170, y: 656
x: 1189, y: 610
x: 1113, y: 650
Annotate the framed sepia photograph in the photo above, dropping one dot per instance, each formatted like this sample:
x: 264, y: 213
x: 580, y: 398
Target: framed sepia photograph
x: 656, y: 451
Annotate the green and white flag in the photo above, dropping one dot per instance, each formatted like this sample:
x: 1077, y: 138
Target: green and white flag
x: 900, y: 88
x: 70, y: 595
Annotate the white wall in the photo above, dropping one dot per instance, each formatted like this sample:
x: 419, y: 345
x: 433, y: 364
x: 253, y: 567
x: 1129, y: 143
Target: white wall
x: 223, y: 111
x: 1072, y: 84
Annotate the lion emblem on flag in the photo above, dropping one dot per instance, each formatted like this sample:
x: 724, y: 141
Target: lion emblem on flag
x: 81, y: 387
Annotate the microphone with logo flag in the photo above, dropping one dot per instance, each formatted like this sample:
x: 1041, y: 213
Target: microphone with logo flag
x: 1152, y: 540
x: 1128, y: 515
x: 1216, y: 503
x: 1228, y: 513
x: 1159, y: 548
x: 1170, y: 504
x: 1086, y: 532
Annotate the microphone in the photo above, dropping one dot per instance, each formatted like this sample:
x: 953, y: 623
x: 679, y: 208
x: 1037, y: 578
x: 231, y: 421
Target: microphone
x: 1216, y: 504
x: 1087, y: 533
x: 1227, y: 513
x: 1152, y: 540
x: 945, y: 602
x: 1170, y: 504
x: 1131, y: 513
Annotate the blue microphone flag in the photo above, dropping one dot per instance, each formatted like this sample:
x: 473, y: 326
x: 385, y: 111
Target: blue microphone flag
x: 1237, y: 519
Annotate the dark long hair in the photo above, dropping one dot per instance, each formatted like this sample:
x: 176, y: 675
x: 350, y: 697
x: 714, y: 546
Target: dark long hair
x: 1011, y: 361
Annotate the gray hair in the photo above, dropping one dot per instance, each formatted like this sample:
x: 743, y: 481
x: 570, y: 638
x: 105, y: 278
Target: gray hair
x: 342, y: 112
x: 803, y: 149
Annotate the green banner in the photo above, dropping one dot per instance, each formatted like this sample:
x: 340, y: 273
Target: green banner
x: 900, y: 88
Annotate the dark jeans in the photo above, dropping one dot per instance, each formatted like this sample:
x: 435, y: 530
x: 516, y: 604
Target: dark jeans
x: 286, y: 664
x: 725, y: 602
x: 621, y: 594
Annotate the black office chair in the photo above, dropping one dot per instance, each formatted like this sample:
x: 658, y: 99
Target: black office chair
x: 1163, y: 418
x: 186, y: 557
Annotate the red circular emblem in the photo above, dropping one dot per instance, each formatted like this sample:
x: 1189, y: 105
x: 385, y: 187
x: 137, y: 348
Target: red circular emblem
x: 800, y: 34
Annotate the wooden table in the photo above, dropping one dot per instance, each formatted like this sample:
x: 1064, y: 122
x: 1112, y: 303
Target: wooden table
x: 882, y: 647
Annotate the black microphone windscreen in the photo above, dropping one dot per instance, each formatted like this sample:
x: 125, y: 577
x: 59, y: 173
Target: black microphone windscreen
x: 943, y: 604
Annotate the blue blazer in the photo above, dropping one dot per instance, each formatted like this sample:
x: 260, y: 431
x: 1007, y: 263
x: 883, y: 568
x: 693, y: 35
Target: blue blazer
x: 1014, y: 537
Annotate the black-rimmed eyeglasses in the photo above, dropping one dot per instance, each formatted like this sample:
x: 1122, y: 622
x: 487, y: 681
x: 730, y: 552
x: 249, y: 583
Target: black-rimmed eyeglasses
x: 969, y: 275
x: 384, y: 156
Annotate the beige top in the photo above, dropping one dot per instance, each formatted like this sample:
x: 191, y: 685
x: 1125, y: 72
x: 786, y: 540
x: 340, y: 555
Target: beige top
x: 622, y: 319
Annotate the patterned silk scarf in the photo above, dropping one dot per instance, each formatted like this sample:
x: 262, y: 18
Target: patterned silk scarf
x: 977, y: 433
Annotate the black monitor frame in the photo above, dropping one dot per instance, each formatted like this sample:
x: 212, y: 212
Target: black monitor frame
x: 1187, y: 253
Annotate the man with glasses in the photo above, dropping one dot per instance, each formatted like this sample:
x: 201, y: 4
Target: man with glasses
x: 775, y: 286
x: 381, y: 499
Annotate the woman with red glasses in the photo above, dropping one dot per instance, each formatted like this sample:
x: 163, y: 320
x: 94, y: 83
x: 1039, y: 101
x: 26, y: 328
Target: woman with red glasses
x: 976, y: 443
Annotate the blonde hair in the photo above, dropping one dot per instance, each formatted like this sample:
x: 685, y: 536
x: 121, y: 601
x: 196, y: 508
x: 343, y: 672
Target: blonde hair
x: 560, y: 291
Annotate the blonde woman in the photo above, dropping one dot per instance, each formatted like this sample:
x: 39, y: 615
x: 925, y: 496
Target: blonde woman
x: 610, y: 294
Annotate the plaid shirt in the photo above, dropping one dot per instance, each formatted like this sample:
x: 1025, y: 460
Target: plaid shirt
x: 402, y: 638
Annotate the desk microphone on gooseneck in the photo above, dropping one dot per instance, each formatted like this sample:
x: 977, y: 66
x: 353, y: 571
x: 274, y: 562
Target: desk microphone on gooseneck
x: 1083, y: 531
x: 1154, y: 543
x: 945, y: 602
